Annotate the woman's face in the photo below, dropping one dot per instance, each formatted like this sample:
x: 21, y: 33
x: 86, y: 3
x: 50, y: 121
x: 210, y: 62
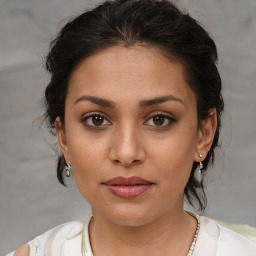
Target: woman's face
x: 131, y: 133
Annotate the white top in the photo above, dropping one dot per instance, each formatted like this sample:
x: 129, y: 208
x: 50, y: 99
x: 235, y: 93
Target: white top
x: 213, y: 240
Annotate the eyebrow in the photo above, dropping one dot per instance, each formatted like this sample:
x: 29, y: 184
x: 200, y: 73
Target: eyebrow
x: 158, y: 100
x: 144, y: 103
x: 96, y: 100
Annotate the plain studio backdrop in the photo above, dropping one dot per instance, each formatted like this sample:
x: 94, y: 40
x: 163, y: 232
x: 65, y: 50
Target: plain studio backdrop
x: 31, y: 199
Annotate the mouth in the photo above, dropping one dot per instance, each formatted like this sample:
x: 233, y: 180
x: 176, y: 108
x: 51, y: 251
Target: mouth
x: 130, y: 187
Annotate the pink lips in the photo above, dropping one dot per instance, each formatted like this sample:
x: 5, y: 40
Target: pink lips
x: 128, y: 187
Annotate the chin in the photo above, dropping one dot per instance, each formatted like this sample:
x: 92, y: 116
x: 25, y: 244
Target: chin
x: 129, y: 216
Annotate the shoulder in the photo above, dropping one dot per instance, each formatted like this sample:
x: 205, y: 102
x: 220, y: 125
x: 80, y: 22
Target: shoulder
x: 232, y: 242
x: 22, y: 251
x: 61, y: 238
x: 55, y: 240
x: 226, y: 241
x: 68, y: 229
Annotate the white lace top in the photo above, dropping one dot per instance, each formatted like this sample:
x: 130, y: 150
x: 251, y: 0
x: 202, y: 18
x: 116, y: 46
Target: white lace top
x: 213, y: 240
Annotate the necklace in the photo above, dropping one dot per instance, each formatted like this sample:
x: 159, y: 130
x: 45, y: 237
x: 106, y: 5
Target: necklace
x: 86, y: 243
x: 192, y: 247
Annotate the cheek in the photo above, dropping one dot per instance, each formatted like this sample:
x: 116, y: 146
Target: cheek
x: 173, y: 158
x: 86, y: 157
x: 86, y: 162
x: 176, y: 150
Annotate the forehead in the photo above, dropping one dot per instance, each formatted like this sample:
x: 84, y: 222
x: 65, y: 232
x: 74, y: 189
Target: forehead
x: 140, y: 71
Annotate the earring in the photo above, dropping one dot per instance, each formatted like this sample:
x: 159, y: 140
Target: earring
x: 201, y: 166
x: 68, y: 170
x: 198, y: 173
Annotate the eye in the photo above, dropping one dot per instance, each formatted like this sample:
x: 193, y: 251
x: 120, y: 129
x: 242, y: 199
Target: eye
x: 161, y: 120
x: 95, y: 120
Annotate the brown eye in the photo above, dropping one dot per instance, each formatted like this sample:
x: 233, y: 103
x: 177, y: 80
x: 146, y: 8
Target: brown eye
x: 161, y: 120
x: 95, y: 120
x: 158, y: 120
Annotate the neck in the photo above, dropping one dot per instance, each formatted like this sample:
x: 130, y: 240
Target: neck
x: 170, y: 234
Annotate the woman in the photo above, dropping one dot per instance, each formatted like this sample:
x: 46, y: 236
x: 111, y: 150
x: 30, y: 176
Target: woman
x: 135, y: 100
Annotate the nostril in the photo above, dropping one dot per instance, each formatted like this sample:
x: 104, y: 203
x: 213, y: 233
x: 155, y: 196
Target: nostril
x: 127, y: 164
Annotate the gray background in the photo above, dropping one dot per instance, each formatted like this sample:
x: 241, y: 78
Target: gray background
x: 31, y: 200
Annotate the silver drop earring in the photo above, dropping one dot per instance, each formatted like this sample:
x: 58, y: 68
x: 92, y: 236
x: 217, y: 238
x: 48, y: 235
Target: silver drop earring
x: 198, y: 172
x: 68, y: 170
x: 200, y: 165
x: 200, y: 168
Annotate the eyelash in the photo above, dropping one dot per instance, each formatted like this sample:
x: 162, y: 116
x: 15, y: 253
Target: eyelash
x: 169, y: 119
x: 97, y: 114
x: 90, y: 115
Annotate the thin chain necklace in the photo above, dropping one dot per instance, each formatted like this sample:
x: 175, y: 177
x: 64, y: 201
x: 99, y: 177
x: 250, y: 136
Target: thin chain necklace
x: 190, y: 252
x: 192, y: 247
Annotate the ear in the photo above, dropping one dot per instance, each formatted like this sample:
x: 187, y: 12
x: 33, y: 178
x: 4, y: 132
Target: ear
x: 61, y: 138
x: 205, y: 136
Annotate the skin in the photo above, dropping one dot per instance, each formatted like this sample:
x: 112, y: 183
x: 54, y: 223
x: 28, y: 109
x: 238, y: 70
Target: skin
x: 22, y: 251
x: 130, y: 142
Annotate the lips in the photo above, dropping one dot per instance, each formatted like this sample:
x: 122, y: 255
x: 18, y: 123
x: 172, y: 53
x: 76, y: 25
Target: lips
x: 130, y: 187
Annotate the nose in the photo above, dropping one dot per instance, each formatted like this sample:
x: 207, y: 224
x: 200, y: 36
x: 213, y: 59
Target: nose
x: 126, y: 147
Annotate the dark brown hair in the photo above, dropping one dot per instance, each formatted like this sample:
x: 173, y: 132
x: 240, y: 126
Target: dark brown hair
x: 157, y: 23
